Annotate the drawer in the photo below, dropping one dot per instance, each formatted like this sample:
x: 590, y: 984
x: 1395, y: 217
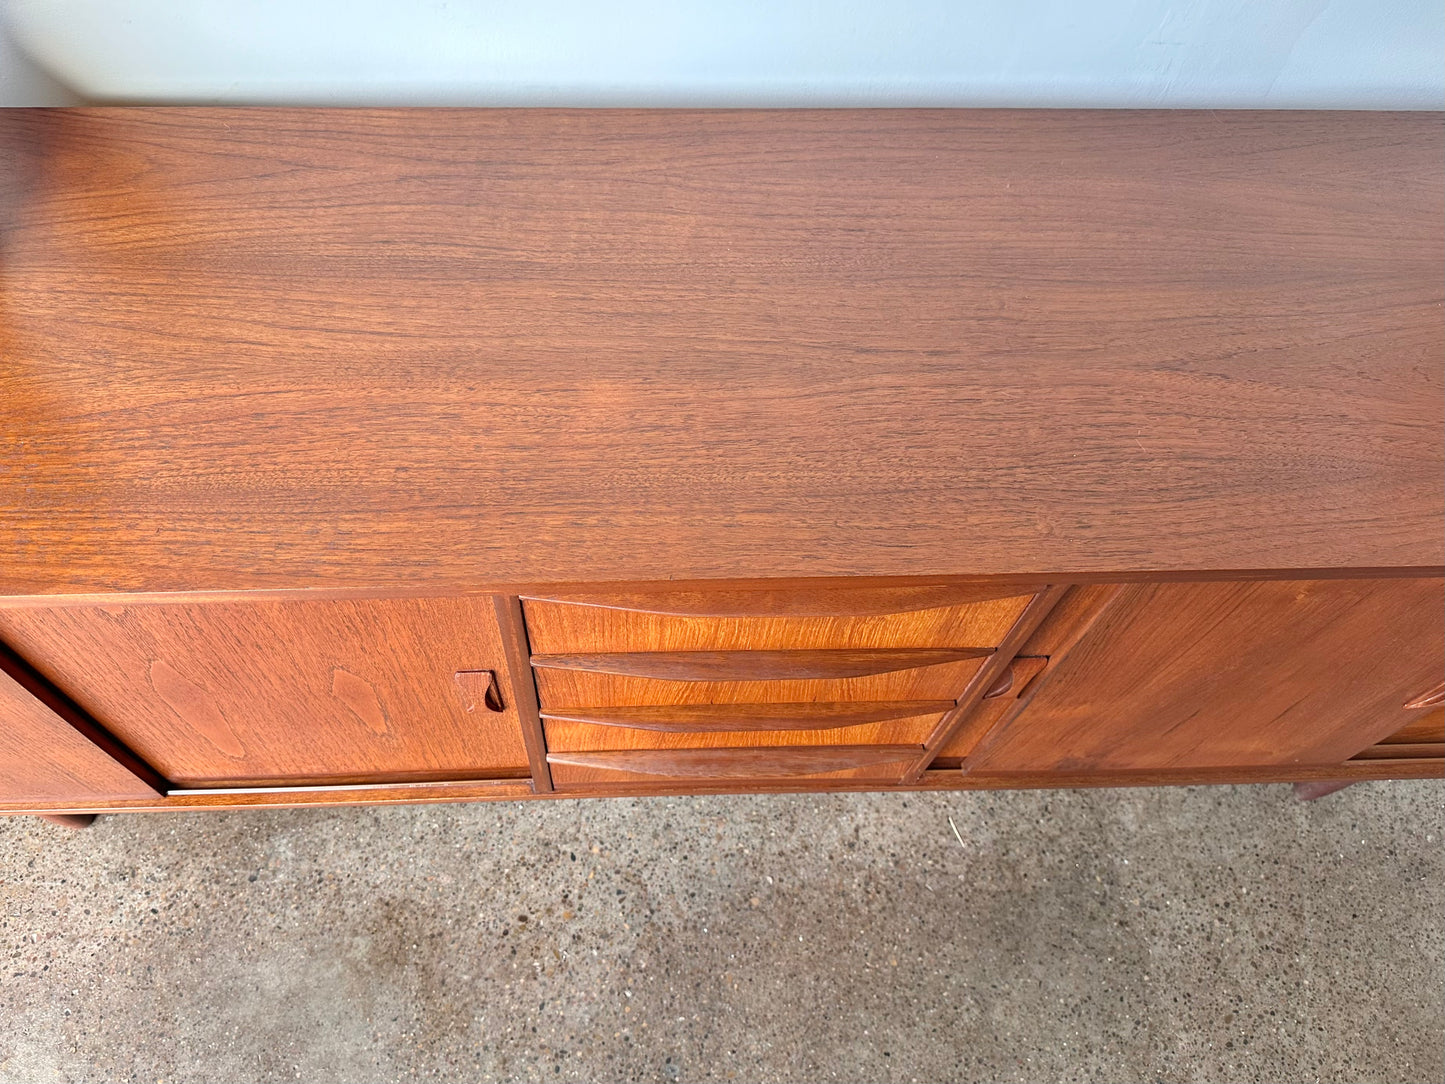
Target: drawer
x: 765, y: 646
x: 743, y: 726
x: 753, y: 685
x: 593, y: 681
x: 1420, y: 739
x: 773, y: 620
x: 653, y: 767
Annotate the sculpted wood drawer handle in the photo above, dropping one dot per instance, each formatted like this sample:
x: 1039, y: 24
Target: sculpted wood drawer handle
x: 758, y: 665
x: 817, y: 602
x: 1016, y: 676
x: 740, y: 763
x: 709, y: 718
x: 1428, y: 700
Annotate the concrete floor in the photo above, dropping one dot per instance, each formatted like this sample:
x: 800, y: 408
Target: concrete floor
x: 1227, y: 934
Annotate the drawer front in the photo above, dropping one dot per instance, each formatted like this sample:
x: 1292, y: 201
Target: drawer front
x: 756, y: 684
x: 653, y: 767
x: 766, y: 646
x: 557, y: 687
x: 570, y: 732
x: 1419, y: 739
x: 242, y: 694
x: 772, y: 620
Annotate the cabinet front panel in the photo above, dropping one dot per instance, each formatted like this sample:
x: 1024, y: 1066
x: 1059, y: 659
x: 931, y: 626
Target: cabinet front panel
x: 234, y: 694
x: 1202, y: 675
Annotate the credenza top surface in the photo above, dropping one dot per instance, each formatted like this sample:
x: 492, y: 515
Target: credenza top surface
x: 261, y: 348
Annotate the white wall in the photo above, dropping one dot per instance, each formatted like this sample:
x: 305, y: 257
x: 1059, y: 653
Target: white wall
x: 22, y: 81
x: 1224, y: 53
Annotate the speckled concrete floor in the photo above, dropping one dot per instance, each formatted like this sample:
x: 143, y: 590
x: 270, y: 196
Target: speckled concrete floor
x: 1226, y: 934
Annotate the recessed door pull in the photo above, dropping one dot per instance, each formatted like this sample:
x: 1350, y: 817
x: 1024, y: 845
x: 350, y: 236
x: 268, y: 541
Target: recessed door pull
x: 479, y: 689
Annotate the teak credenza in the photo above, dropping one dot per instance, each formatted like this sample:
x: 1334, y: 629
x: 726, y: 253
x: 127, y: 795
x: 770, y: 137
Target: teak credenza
x: 433, y: 455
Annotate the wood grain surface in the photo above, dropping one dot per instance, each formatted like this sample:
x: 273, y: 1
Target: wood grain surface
x: 710, y: 718
x: 498, y: 790
x: 828, y: 664
x: 736, y: 763
x: 255, y: 348
x: 1064, y: 627
x: 1429, y: 727
x: 242, y: 693
x: 512, y: 625
x: 1231, y: 675
x: 1421, y: 750
x: 1016, y: 677
x: 1039, y: 607
x: 50, y: 752
x: 763, y: 676
x: 566, y: 689
x: 990, y: 712
x: 560, y: 628
x: 566, y: 735
x: 1428, y: 699
x: 814, y: 601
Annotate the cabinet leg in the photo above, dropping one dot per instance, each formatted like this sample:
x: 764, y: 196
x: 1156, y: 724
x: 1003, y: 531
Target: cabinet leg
x: 68, y: 820
x: 1308, y: 792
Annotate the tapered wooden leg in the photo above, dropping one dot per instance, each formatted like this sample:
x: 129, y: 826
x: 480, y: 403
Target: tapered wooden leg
x: 68, y: 820
x: 1308, y: 792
